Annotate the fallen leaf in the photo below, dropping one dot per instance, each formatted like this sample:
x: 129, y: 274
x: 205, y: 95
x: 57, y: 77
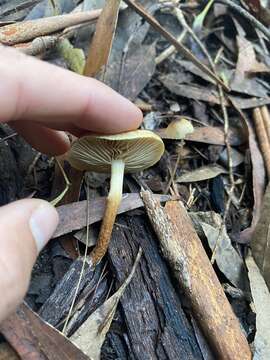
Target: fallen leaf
x: 258, y: 182
x: 73, y: 216
x: 261, y: 299
x: 260, y: 243
x: 126, y: 50
x: 254, y: 5
x: 202, y: 93
x: 237, y: 158
x: 91, y: 335
x: 246, y: 64
x: 101, y: 44
x: 137, y: 70
x: 227, y: 259
x: 203, y: 173
x: 210, y: 135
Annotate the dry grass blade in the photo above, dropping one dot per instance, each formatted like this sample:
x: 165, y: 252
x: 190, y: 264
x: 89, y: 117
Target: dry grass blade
x: 100, y: 48
x: 27, y: 30
x: 178, y: 46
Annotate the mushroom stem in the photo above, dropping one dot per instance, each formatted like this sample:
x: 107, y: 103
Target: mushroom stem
x: 112, y: 205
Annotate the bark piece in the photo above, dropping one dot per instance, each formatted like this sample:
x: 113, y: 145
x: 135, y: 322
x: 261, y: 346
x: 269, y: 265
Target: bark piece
x: 156, y: 325
x: 57, y: 306
x: 33, y: 339
x: 7, y: 353
x: 191, y: 266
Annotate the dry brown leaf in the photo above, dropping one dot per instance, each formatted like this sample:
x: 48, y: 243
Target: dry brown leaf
x: 248, y: 64
x: 210, y: 135
x: 203, y: 173
x: 261, y: 299
x: 137, y: 69
x: 91, y: 335
x: 101, y: 45
x: 211, y: 96
x: 72, y: 216
x: 258, y: 182
x: 260, y: 243
x: 227, y: 259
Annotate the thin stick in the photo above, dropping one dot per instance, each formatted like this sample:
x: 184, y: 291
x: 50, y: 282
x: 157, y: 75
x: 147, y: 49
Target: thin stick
x: 248, y: 16
x: 55, y: 201
x: 170, y: 50
x: 174, y: 169
x: 83, y: 265
x: 27, y: 30
x: 266, y: 120
x: 212, y: 64
x: 178, y: 46
x: 8, y: 137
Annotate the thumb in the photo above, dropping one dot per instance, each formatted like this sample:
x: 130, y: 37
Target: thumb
x: 25, y: 227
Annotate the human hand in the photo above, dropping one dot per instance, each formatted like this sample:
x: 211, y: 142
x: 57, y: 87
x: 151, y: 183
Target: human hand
x: 41, y: 101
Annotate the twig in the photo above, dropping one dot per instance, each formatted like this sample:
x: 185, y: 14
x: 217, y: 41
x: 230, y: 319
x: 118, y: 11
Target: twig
x: 178, y: 46
x: 248, y: 16
x: 28, y: 30
x: 172, y: 175
x: 8, y: 137
x: 83, y: 266
x: 266, y: 120
x: 212, y: 64
x: 170, y: 50
x: 39, y: 45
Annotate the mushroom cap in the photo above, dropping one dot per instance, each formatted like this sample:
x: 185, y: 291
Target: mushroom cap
x: 139, y: 150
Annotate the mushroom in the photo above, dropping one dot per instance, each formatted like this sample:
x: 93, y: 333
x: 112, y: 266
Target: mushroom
x: 118, y: 154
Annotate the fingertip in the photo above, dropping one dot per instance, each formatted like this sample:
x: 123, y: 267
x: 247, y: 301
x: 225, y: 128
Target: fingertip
x: 43, y: 222
x: 25, y: 227
x: 106, y: 111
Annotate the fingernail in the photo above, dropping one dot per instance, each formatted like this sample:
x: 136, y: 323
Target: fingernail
x: 43, y: 223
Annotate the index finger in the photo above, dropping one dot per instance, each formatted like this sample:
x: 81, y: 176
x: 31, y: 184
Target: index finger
x: 34, y: 90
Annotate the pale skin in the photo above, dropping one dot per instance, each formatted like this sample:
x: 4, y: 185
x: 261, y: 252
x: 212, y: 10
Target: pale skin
x: 41, y: 101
